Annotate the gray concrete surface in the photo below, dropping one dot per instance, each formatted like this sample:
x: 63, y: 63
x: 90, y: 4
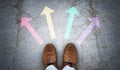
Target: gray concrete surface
x: 20, y: 51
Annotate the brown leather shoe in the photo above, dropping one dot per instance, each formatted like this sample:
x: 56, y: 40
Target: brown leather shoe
x: 49, y: 56
x: 70, y: 56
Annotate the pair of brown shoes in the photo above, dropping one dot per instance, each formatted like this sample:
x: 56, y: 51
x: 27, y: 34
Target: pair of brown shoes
x: 70, y: 56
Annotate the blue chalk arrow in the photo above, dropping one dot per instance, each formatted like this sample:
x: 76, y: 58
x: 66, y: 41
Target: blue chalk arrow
x: 72, y: 11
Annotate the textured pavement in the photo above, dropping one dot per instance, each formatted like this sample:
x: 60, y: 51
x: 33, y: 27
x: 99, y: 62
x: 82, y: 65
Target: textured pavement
x: 20, y: 51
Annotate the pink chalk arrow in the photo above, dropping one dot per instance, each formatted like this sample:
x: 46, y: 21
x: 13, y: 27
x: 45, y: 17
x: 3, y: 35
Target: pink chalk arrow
x: 94, y: 22
x: 25, y: 22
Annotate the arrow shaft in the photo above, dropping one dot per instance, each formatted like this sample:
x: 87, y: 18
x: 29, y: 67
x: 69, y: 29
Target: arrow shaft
x: 85, y: 33
x: 69, y: 26
x: 34, y: 33
x: 50, y: 25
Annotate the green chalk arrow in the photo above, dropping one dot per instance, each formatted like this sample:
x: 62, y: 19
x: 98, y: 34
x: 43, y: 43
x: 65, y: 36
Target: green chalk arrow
x: 72, y: 11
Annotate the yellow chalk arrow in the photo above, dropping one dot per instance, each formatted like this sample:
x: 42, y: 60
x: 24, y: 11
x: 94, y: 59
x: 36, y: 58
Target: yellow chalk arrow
x: 47, y: 12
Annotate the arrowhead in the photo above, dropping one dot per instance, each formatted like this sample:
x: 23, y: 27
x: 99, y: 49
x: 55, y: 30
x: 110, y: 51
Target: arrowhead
x: 73, y: 10
x: 24, y: 21
x: 47, y: 11
x: 96, y: 21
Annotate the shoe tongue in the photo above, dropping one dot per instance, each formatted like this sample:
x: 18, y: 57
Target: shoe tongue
x: 69, y: 64
x: 50, y: 63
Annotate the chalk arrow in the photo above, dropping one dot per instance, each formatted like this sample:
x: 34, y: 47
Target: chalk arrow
x: 25, y: 22
x: 94, y: 22
x: 72, y: 11
x: 47, y: 12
